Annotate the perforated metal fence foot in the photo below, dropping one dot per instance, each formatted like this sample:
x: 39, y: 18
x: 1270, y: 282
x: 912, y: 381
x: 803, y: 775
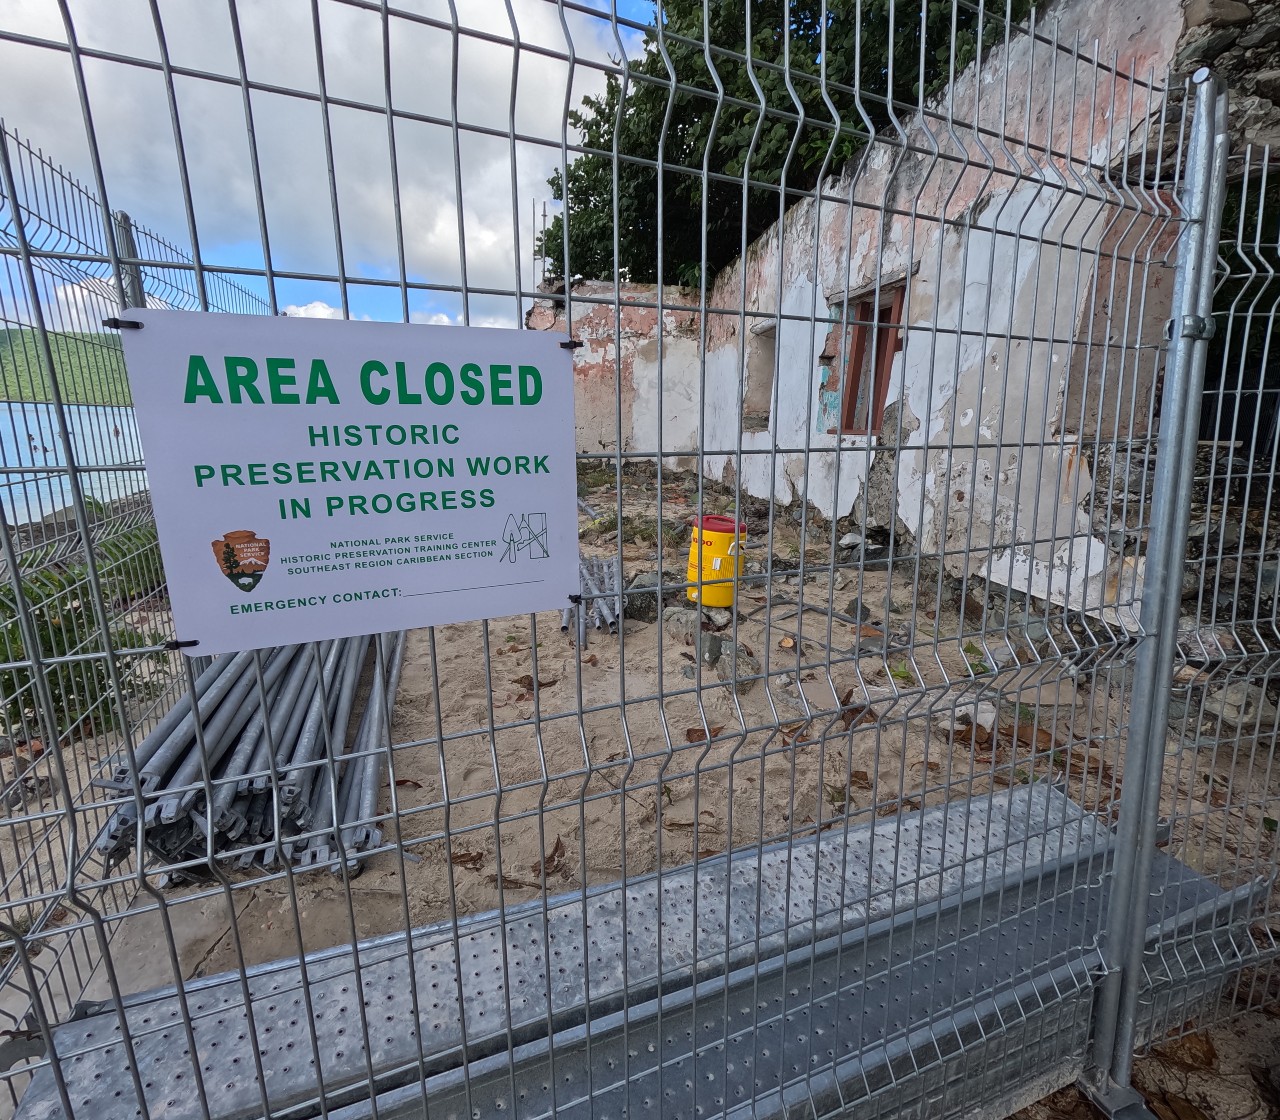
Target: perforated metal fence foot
x: 900, y: 946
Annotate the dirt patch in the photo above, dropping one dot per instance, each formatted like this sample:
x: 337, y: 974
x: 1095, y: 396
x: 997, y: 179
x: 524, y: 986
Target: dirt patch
x: 521, y: 768
x: 1229, y: 1072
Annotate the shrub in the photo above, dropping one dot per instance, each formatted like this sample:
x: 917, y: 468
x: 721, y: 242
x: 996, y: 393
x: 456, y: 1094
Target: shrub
x: 66, y: 625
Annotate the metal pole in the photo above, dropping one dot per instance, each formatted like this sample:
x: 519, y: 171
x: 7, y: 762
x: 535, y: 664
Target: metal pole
x: 131, y: 273
x: 1125, y: 935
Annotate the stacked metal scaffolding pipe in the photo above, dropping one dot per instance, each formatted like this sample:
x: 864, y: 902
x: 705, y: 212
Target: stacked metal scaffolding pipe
x: 600, y: 604
x: 296, y: 778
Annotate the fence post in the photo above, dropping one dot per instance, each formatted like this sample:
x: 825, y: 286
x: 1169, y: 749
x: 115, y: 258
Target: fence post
x: 130, y: 271
x: 1124, y: 937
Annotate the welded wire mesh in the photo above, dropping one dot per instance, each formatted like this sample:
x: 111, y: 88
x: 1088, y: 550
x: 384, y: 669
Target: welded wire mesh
x: 68, y: 426
x: 1220, y: 792
x: 847, y: 842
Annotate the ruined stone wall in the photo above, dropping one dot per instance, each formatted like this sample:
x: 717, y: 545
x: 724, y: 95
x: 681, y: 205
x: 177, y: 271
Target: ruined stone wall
x: 636, y: 371
x: 1241, y: 43
x: 1016, y: 255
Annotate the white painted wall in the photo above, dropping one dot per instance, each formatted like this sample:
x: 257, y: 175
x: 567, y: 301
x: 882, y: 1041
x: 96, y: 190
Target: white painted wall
x: 1003, y: 243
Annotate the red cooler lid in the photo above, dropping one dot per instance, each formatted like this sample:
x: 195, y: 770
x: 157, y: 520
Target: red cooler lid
x: 718, y: 523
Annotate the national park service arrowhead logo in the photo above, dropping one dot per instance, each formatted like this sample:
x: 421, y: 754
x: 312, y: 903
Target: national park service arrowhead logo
x: 243, y: 556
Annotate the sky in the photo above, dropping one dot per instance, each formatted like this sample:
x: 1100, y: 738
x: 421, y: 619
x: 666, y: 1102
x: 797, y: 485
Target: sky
x: 131, y: 116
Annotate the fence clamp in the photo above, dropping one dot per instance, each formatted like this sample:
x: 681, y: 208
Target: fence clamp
x: 122, y: 324
x: 1198, y: 327
x: 21, y: 1044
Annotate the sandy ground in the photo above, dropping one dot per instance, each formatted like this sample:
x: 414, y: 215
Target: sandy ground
x: 637, y: 755
x: 498, y: 790
x: 526, y: 790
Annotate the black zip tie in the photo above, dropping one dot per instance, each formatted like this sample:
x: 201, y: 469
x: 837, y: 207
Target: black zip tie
x: 122, y: 324
x: 576, y: 600
x: 175, y: 644
x: 572, y: 344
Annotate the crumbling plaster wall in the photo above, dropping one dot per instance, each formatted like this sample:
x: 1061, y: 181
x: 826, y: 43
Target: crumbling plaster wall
x: 1015, y: 239
x: 1002, y: 242
x: 628, y: 338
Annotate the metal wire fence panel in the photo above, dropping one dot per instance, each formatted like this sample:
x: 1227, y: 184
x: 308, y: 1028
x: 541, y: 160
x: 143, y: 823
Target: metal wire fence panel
x: 887, y: 295
x: 1219, y: 789
x: 83, y: 613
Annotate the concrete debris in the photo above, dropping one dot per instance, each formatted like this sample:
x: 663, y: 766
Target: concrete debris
x: 1241, y: 704
x: 1035, y: 630
x: 1199, y: 643
x: 869, y: 640
x: 1226, y: 536
x: 1184, y: 675
x: 719, y: 617
x: 738, y: 666
x: 902, y: 636
x: 710, y: 646
x: 642, y: 601
x: 856, y: 609
x: 999, y: 650
x: 682, y: 624
x: 977, y: 713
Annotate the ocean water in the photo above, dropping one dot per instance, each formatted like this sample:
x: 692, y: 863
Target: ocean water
x: 104, y: 446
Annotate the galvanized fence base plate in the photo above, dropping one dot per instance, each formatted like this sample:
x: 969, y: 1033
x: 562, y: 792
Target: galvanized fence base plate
x: 832, y: 968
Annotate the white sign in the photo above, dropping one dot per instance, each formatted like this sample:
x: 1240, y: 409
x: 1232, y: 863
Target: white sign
x: 318, y: 479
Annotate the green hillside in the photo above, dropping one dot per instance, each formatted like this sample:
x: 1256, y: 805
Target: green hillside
x: 90, y: 367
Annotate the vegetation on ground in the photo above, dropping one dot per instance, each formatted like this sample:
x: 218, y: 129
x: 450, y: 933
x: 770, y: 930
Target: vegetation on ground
x: 64, y: 629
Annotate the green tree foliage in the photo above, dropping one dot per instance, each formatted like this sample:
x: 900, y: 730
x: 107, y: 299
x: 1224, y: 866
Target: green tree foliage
x: 64, y: 625
x: 778, y: 128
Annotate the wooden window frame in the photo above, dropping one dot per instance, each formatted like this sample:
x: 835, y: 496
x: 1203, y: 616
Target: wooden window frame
x: 868, y: 316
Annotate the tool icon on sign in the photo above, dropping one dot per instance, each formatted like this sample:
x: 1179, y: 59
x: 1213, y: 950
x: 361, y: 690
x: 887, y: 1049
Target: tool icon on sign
x: 528, y: 534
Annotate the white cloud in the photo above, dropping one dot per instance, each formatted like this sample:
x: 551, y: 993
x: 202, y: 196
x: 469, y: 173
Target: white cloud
x: 83, y: 306
x: 316, y: 309
x: 496, y: 317
x: 431, y: 318
x: 138, y: 151
x: 319, y: 309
